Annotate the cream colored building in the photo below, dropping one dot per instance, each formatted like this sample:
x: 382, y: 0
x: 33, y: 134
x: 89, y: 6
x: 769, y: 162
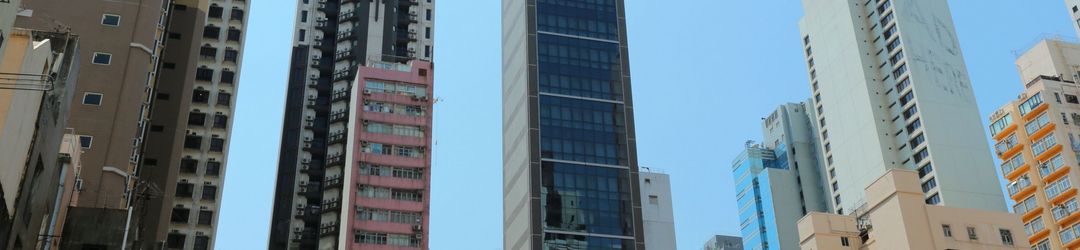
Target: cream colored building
x: 898, y: 218
x: 1036, y: 141
x: 891, y: 91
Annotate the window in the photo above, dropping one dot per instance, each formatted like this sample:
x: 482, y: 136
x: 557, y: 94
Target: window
x: 837, y: 199
x: 1000, y: 124
x: 90, y: 98
x: 223, y: 99
x: 381, y: 215
x: 202, y: 242
x: 904, y: 99
x: 85, y: 141
x: 832, y: 173
x: 929, y: 184
x: 180, y: 215
x: 200, y: 96
x: 208, y: 52
x: 1011, y: 164
x: 1035, y: 226
x: 1038, y: 123
x: 215, y: 11
x: 918, y: 140
x: 429, y: 14
x: 1044, y: 245
x: 209, y: 192
x: 1030, y: 104
x: 921, y: 155
x: 909, y: 112
x: 204, y: 74
x: 947, y: 230
x: 175, y: 241
x: 653, y: 199
x: 212, y: 32
x: 213, y: 168
x: 193, y: 142
x: 102, y: 58
x: 934, y: 199
x: 196, y: 119
x: 110, y: 20
x: 900, y: 71
x: 1049, y: 166
x: 911, y: 127
x: 1005, y: 144
x: 227, y: 76
x: 217, y: 144
x: 1044, y: 144
x: 236, y: 14
x: 1071, y: 99
x: 1019, y: 184
x: 1065, y: 209
x: 925, y: 170
x: 188, y: 165
x: 835, y: 186
x: 220, y: 121
x: 1056, y: 188
x: 903, y: 84
x: 185, y: 190
x: 1025, y: 206
x: 972, y: 235
x: 231, y: 55
x: 234, y: 34
x: 205, y: 217
x: 844, y: 241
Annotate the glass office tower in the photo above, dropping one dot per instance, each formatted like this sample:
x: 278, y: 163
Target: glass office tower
x: 570, y: 166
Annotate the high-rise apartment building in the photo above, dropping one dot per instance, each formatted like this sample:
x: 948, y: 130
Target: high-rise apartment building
x: 1037, y: 141
x: 152, y: 121
x: 187, y: 144
x: 891, y: 91
x: 724, y: 242
x: 779, y: 181
x: 1074, y: 12
x: 897, y: 217
x: 570, y: 172
x: 657, y: 209
x: 354, y: 164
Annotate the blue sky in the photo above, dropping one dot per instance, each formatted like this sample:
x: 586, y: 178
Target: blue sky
x: 704, y: 73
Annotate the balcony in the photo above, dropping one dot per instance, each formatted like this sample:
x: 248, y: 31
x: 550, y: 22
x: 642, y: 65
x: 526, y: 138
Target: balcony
x: 339, y: 116
x: 328, y: 229
x: 336, y: 137
x: 334, y: 182
x: 340, y: 95
x: 331, y: 206
x: 344, y: 35
x: 343, y: 55
x: 347, y: 16
x: 1020, y: 188
x: 343, y: 75
x: 335, y: 160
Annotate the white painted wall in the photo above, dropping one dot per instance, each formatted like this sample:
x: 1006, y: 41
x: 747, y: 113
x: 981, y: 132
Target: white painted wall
x: 657, y: 211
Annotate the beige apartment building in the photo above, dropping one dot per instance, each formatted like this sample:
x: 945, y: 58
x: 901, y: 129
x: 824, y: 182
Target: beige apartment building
x: 897, y: 217
x: 152, y: 111
x: 37, y: 167
x: 1036, y: 139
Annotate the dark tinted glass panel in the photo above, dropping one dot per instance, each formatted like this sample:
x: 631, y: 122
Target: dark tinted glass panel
x: 579, y: 67
x: 581, y: 130
x: 580, y: 198
x: 589, y: 18
x: 565, y: 241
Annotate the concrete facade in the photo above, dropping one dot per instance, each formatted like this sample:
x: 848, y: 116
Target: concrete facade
x: 657, y: 210
x: 1074, y: 12
x: 723, y: 242
x: 897, y: 217
x: 334, y: 42
x: 545, y: 96
x: 185, y: 157
x: 38, y: 70
x: 779, y: 181
x: 891, y: 91
x: 1036, y: 143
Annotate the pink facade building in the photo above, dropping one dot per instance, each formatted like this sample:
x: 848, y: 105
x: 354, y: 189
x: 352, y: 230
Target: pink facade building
x: 388, y: 157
